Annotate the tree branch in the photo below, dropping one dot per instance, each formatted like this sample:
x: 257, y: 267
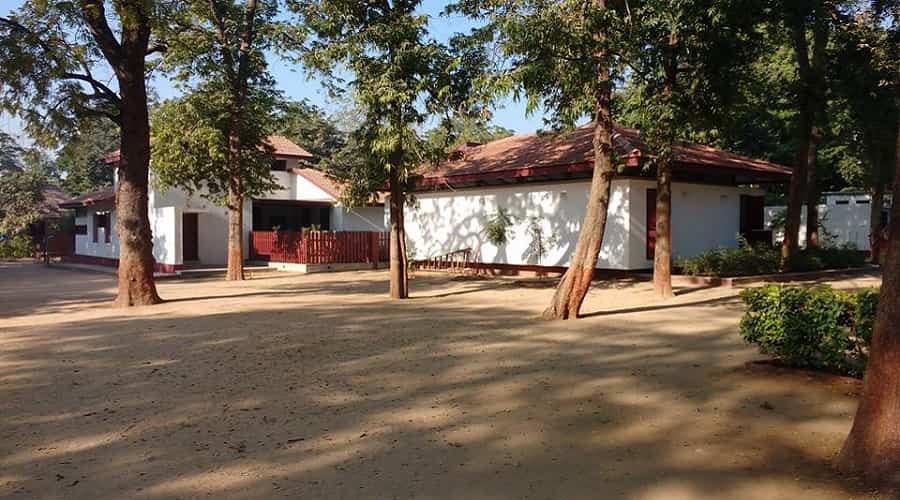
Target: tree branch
x: 95, y: 15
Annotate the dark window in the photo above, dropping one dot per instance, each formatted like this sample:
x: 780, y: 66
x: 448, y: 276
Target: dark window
x: 280, y: 165
x: 101, y: 220
x: 81, y: 229
x: 842, y: 202
x: 863, y: 202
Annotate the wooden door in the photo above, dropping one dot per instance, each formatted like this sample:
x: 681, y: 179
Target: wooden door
x: 651, y: 223
x: 189, y: 238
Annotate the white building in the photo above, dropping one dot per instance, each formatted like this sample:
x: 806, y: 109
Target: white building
x: 542, y: 183
x: 844, y: 216
x: 190, y: 230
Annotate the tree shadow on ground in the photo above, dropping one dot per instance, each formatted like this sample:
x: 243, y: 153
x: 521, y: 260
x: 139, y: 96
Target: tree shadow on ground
x: 337, y: 392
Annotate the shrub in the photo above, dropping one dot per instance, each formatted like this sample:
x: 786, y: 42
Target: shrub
x: 745, y: 260
x: 16, y: 247
x: 817, y: 327
x: 828, y: 257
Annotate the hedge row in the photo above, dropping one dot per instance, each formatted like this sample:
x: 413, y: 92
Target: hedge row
x: 753, y: 260
x: 818, y: 327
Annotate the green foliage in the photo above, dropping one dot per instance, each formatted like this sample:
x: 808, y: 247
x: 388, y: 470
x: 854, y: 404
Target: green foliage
x: 817, y: 328
x: 214, y: 139
x: 541, y: 241
x: 457, y: 131
x: 20, y: 201
x: 551, y: 51
x: 16, y: 247
x: 10, y: 154
x: 826, y: 257
x: 498, y: 227
x: 307, y: 126
x: 190, y: 147
x: 745, y: 260
x: 685, y: 59
x: 400, y: 77
x: 81, y: 157
x: 55, y: 73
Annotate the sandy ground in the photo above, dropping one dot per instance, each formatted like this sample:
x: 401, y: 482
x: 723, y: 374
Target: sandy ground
x: 290, y: 386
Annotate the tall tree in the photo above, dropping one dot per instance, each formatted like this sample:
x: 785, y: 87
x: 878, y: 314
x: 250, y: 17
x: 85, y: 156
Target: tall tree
x: 10, y: 154
x: 685, y: 58
x: 82, y: 157
x: 865, y: 114
x: 873, y: 447
x: 218, y: 46
x: 804, y: 20
x: 400, y: 77
x: 51, y: 51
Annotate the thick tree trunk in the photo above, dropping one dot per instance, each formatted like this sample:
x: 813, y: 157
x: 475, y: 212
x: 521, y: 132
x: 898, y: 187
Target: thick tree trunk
x: 235, y: 270
x: 136, y: 262
x: 812, y: 192
x: 875, y: 223
x: 662, y: 255
x: 575, y: 283
x: 872, y: 449
x: 398, y: 265
x: 797, y: 191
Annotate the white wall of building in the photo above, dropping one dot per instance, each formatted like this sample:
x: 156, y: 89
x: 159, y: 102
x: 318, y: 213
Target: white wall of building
x: 704, y: 217
x: 442, y: 222
x: 84, y: 243
x: 844, y: 215
x: 168, y: 206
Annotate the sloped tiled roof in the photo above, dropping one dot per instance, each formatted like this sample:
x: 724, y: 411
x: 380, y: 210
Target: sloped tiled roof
x: 575, y: 148
x: 92, y: 198
x: 283, y: 147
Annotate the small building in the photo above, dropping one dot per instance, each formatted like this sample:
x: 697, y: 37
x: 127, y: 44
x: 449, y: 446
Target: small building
x: 189, y: 230
x: 542, y: 184
x: 843, y: 218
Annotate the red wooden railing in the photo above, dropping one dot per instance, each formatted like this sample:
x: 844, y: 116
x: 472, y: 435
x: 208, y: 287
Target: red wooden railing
x: 319, y: 247
x: 456, y: 261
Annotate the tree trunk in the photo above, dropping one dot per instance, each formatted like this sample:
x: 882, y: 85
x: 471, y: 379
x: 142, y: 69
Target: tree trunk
x: 872, y: 449
x: 875, y: 223
x: 574, y: 285
x: 812, y: 192
x: 235, y: 270
x: 136, y: 262
x: 662, y: 254
x: 398, y: 264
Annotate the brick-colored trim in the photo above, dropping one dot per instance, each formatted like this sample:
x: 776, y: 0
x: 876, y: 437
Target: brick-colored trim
x: 93, y: 260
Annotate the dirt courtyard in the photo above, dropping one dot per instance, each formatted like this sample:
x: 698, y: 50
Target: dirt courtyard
x: 318, y: 386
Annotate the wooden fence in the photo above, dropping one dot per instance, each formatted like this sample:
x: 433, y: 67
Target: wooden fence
x: 457, y: 261
x: 319, y: 247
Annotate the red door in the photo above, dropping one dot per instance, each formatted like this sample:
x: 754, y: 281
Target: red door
x: 651, y: 223
x: 189, y: 238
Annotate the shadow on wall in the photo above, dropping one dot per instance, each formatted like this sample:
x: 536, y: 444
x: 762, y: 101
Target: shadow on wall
x: 545, y: 229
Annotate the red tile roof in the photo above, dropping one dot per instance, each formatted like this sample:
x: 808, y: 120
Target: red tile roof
x: 92, y: 198
x: 283, y: 147
x: 532, y: 155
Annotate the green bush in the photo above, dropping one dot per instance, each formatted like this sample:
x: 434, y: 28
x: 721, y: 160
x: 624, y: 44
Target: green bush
x: 817, y: 327
x: 745, y: 260
x: 17, y: 247
x: 829, y: 257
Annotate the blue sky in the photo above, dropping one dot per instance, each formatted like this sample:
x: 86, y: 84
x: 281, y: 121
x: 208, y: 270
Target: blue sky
x: 295, y: 83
